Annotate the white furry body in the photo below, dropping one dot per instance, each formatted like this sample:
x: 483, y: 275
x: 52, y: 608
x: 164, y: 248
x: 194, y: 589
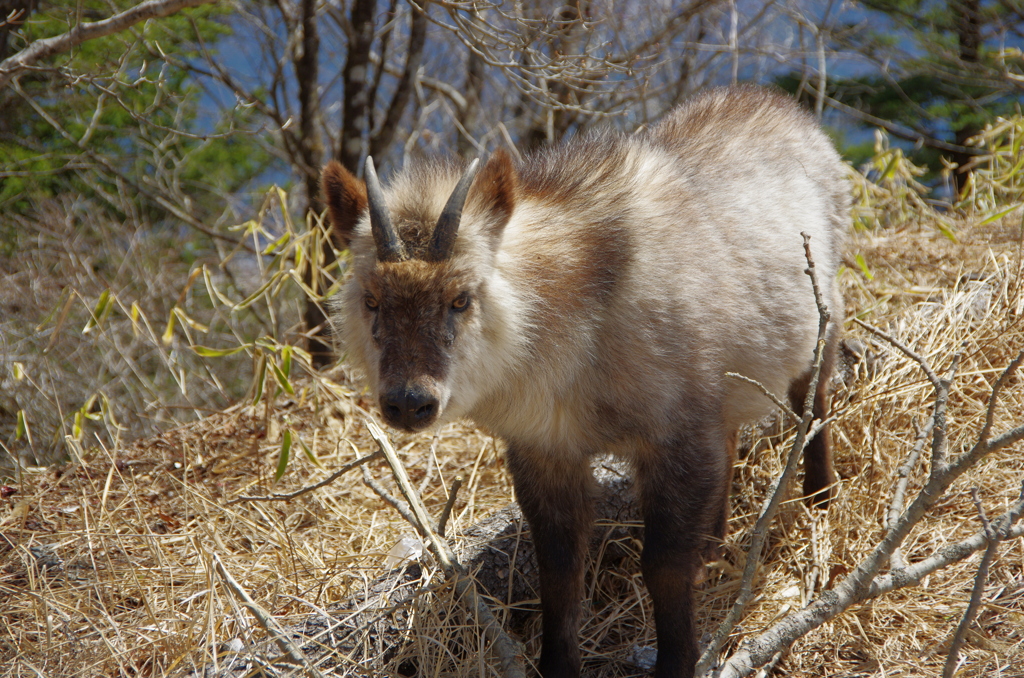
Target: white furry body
x: 634, y: 272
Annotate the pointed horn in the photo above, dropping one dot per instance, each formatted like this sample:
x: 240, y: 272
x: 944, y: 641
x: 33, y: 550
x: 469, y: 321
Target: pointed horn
x: 443, y: 244
x: 389, y: 245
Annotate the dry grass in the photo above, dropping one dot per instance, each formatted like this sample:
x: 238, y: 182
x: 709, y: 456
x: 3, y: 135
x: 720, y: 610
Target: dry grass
x: 106, y: 562
x: 84, y: 304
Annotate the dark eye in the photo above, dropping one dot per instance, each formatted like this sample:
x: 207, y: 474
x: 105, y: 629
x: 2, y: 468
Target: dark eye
x: 461, y: 302
x: 370, y: 302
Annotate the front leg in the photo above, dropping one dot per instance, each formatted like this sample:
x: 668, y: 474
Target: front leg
x: 684, y: 489
x: 554, y: 490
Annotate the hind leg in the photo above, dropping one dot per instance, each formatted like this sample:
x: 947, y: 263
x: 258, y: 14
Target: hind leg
x: 713, y: 547
x: 819, y: 475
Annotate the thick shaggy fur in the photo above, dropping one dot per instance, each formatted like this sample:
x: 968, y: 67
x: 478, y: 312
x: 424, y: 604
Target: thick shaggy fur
x: 611, y: 283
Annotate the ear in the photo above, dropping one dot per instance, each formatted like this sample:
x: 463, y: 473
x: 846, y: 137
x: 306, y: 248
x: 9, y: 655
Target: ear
x: 495, y: 190
x: 346, y: 200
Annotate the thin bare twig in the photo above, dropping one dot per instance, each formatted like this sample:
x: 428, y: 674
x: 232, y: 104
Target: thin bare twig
x: 864, y: 582
x: 781, y: 404
x: 939, y: 437
x: 925, y: 367
x: 442, y: 522
x: 298, y: 493
x: 996, y: 390
x: 994, y: 537
x: 774, y: 499
x: 896, y: 506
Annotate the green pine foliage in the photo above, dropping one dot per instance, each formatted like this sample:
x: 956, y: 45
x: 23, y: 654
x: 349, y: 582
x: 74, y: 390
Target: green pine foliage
x: 939, y: 70
x: 106, y: 122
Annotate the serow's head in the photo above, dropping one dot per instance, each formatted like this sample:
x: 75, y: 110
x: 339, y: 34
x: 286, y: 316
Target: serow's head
x: 413, y: 316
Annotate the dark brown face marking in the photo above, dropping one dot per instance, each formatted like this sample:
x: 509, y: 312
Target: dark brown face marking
x: 415, y: 309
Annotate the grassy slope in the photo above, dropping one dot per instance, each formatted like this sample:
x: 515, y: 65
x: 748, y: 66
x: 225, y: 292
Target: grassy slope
x: 105, y: 562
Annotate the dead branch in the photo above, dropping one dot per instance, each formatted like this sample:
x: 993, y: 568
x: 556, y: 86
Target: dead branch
x: 864, y: 582
x: 897, y: 505
x: 925, y: 367
x: 265, y: 620
x: 510, y: 652
x: 326, y: 481
x: 442, y: 522
x: 994, y: 537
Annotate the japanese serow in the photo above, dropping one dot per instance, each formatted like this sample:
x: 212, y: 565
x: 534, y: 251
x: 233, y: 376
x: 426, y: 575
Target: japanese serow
x: 592, y: 298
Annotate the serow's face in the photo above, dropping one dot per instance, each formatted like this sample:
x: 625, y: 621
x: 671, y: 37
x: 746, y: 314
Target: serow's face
x: 417, y: 313
x: 413, y: 308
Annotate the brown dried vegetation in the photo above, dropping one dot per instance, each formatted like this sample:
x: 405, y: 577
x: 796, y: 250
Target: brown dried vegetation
x: 106, y: 562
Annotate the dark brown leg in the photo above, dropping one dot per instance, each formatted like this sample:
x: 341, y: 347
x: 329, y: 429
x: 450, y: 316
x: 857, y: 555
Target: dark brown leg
x: 555, y: 493
x: 713, y: 548
x: 683, y: 488
x: 818, y: 473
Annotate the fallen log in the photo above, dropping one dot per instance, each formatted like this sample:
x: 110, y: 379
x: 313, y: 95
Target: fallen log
x: 369, y: 629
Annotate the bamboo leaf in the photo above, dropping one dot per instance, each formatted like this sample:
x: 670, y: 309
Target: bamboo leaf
x: 277, y: 244
x: 310, y: 454
x: 282, y: 378
x: 212, y: 290
x: 168, y: 335
x: 284, y: 454
x: 945, y: 230
x: 1000, y: 214
x: 185, y: 318
x: 208, y: 352
x: 99, y: 311
x: 245, y: 303
x: 863, y: 266
x: 261, y: 377
x: 21, y: 428
x: 286, y: 360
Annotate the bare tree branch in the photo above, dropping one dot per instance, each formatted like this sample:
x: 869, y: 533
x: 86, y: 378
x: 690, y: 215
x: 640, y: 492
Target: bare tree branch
x: 994, y: 537
x: 864, y: 582
x: 774, y: 499
x: 41, y: 49
x: 383, y: 137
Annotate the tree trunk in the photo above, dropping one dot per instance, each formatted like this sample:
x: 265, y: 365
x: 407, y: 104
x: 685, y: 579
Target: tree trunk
x: 356, y: 105
x: 307, y: 69
x: 967, y: 18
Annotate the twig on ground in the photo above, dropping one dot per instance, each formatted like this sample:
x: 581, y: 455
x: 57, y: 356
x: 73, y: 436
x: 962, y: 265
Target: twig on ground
x: 994, y: 535
x: 265, y: 620
x: 442, y: 522
x: 510, y: 653
x: 392, y: 500
x: 327, y: 481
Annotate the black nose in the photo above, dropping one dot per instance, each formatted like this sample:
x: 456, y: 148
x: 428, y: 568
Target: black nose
x: 410, y: 409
